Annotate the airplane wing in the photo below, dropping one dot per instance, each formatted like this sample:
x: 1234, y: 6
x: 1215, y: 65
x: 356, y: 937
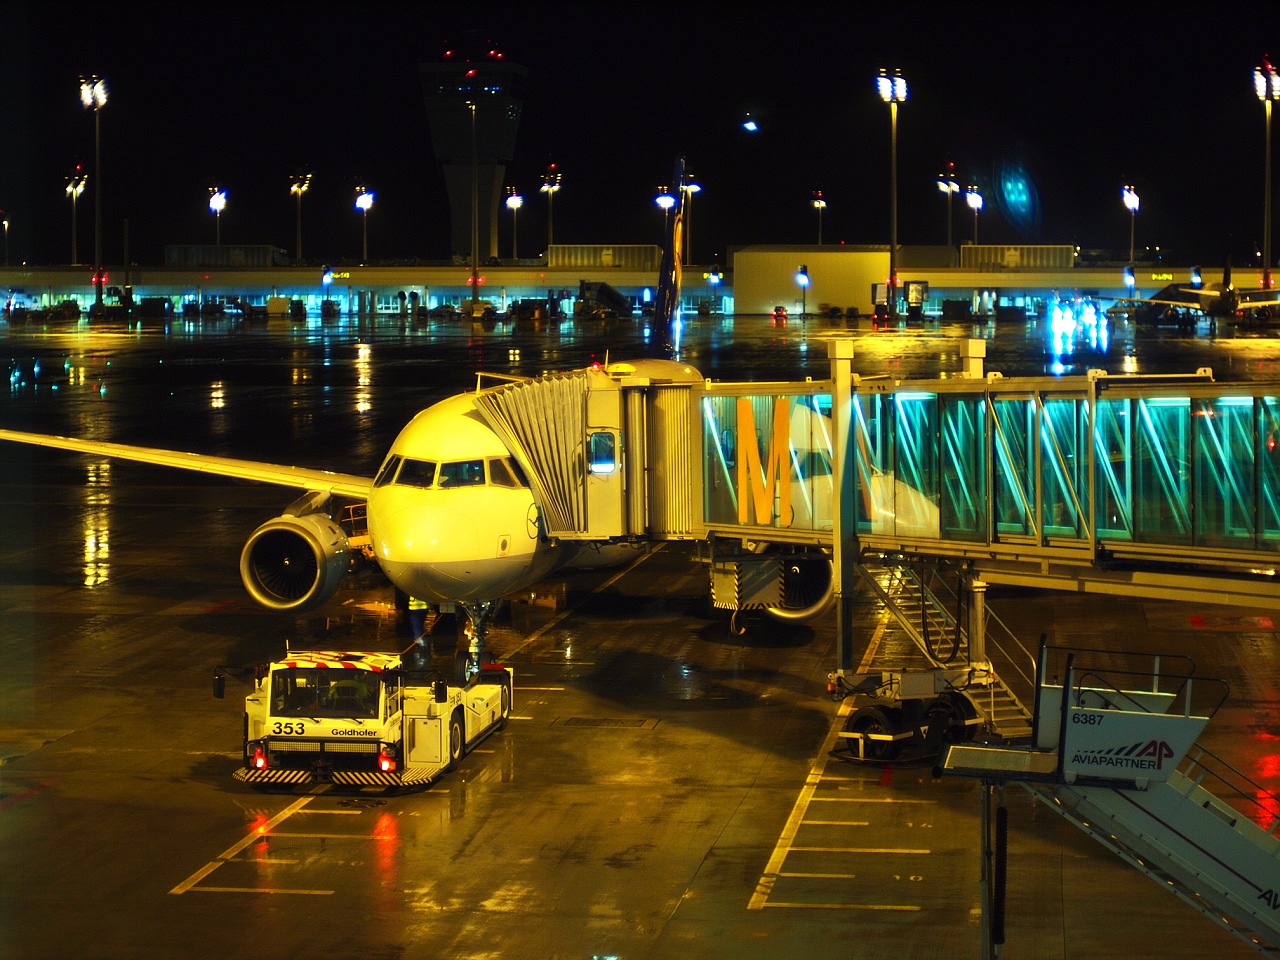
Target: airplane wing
x: 1253, y: 299
x: 299, y: 478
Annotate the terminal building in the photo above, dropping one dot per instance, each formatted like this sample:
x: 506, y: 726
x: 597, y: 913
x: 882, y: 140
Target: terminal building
x: 474, y: 101
x: 584, y: 280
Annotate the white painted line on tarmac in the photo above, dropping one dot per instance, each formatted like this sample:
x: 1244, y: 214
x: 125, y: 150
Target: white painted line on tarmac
x: 893, y: 800
x: 572, y: 610
x: 330, y: 836
x: 250, y: 838
x: 836, y: 823
x: 901, y: 907
x: 320, y: 893
x: 786, y: 842
x: 904, y: 850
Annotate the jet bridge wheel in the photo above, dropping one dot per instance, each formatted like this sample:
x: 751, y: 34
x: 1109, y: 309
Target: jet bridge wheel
x: 877, y: 730
x: 946, y: 720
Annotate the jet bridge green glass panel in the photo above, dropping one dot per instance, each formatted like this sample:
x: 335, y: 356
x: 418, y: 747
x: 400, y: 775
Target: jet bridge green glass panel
x: 768, y: 461
x: 1189, y: 469
x: 1043, y: 467
x: 1129, y: 466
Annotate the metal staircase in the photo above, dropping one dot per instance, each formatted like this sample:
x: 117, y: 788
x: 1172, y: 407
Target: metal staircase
x: 1114, y: 752
x: 925, y: 600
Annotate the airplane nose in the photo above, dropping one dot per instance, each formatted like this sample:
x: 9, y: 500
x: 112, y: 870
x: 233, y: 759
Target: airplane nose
x: 405, y: 533
x: 452, y: 546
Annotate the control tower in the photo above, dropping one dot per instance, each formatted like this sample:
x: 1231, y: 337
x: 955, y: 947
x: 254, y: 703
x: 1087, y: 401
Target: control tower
x: 474, y: 98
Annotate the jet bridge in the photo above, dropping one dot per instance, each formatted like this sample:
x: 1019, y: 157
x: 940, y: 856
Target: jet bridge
x: 1155, y: 486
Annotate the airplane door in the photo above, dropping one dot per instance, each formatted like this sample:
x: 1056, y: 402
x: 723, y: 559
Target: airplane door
x: 606, y: 489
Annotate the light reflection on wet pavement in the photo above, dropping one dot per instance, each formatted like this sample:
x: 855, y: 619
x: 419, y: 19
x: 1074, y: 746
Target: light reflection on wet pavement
x: 654, y: 758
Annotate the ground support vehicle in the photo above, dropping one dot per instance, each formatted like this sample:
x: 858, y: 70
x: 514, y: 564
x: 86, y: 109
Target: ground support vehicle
x: 366, y: 719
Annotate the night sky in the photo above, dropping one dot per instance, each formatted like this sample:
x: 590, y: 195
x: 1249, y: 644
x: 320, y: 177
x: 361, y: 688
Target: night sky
x: 1080, y: 104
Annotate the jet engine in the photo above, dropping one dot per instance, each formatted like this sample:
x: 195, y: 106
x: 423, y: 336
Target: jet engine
x: 296, y: 561
x: 808, y: 587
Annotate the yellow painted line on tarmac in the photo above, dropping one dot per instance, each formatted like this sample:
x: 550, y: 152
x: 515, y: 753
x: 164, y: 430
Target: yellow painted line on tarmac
x: 250, y: 838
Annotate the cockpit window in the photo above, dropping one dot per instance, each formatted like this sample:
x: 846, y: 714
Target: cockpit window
x: 388, y: 472
x: 462, y: 473
x: 500, y: 474
x: 417, y: 473
x: 516, y: 469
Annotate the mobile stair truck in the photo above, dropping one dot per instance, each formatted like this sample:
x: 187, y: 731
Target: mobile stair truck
x: 365, y: 719
x: 1114, y: 751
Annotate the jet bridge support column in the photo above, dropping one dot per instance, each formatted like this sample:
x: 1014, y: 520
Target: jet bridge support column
x: 977, y: 622
x: 844, y: 524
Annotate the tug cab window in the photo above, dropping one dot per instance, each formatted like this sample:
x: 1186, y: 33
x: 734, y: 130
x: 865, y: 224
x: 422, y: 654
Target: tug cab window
x: 316, y: 693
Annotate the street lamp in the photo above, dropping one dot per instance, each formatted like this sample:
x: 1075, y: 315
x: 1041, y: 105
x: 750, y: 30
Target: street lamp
x: 514, y: 203
x: 974, y: 199
x: 364, y: 200
x: 666, y: 201
x: 1131, y: 204
x: 75, y: 186
x: 550, y: 184
x: 802, y: 278
x: 1266, y: 83
x: 298, y: 188
x: 949, y: 188
x: 217, y: 203
x: 689, y: 190
x: 819, y: 204
x: 6, y: 241
x: 893, y: 91
x: 93, y: 94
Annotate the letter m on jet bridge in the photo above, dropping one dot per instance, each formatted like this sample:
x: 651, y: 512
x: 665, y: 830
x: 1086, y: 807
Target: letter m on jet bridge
x: 756, y: 493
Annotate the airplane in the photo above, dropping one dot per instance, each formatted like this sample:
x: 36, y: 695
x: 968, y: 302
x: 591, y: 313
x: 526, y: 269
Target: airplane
x: 1177, y: 304
x: 451, y: 517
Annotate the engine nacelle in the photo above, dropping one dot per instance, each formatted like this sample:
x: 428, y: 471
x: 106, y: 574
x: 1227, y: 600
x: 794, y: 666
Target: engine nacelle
x: 808, y: 587
x: 295, y: 563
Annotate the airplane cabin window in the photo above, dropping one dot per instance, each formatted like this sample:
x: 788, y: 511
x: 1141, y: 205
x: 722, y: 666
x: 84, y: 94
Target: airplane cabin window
x: 387, y: 472
x: 500, y: 474
x: 462, y: 473
x: 417, y: 473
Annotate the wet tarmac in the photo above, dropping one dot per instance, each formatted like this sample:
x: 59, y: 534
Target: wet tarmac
x: 665, y: 788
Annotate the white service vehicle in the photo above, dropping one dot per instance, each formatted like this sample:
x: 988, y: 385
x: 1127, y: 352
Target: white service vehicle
x: 365, y: 719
